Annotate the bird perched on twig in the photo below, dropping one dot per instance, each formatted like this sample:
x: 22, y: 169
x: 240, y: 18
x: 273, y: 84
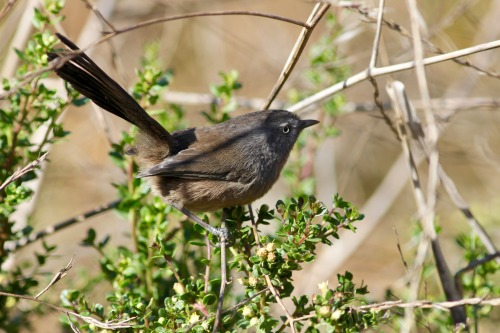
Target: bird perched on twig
x: 198, y: 169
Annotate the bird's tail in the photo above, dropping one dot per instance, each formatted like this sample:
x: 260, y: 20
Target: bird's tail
x: 91, y: 81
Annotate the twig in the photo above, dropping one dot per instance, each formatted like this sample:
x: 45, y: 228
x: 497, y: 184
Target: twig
x: 99, y: 15
x: 202, y: 14
x: 317, y: 13
x: 373, y: 64
x: 58, y: 277
x: 6, y: 8
x: 477, y: 262
x: 30, y: 76
x: 268, y: 279
x: 399, y: 249
x: 112, y: 325
x: 209, y: 258
x: 174, y: 271
x: 460, y: 203
x: 280, y: 302
x: 433, y: 48
x: 472, y: 265
x: 423, y: 304
x: 73, y: 327
x: 376, y: 40
x: 254, y: 226
x: 61, y: 225
x: 19, y: 173
x: 395, y: 92
x: 190, y: 98
x: 404, y: 111
x: 379, y: 71
x: 223, y: 268
x: 234, y: 307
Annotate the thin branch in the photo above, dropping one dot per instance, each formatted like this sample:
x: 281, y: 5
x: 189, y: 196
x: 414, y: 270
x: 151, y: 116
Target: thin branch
x: 19, y: 173
x: 405, y: 114
x: 61, y: 225
x: 317, y: 13
x: 223, y: 283
x: 73, y: 327
x: 231, y: 309
x: 6, y: 8
x: 365, y: 74
x: 280, y: 303
x: 433, y: 48
x: 376, y: 40
x: 268, y: 279
x: 111, y: 325
x: 99, y: 15
x: 398, y: 243
x: 423, y: 304
x: 202, y: 14
x: 372, y: 65
x: 190, y: 98
x: 476, y: 263
x: 58, y: 277
x: 209, y: 259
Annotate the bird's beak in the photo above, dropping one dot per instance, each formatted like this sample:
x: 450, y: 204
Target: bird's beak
x: 307, y: 122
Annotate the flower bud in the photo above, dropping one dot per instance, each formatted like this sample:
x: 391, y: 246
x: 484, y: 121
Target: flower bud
x: 247, y: 311
x: 178, y: 288
x: 270, y: 247
x: 252, y: 281
x: 323, y: 287
x: 262, y: 253
x: 324, y: 310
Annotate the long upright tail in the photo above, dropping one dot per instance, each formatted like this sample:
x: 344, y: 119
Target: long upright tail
x: 91, y: 81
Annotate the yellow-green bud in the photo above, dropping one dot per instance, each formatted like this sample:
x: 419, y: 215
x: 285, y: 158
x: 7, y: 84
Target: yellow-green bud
x: 271, y: 257
x: 178, y: 288
x: 323, y: 287
x: 337, y: 314
x: 270, y: 247
x: 252, y: 281
x: 247, y: 311
x: 254, y: 321
x: 194, y: 318
x: 262, y: 253
x: 324, y: 310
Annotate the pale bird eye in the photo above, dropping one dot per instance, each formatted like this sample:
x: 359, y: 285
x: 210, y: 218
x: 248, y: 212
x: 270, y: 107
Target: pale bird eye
x: 286, y: 129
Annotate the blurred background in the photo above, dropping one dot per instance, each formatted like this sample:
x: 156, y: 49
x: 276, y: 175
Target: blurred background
x: 363, y: 162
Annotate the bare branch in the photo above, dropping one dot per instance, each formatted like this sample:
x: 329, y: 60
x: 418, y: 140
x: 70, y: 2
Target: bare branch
x: 111, y: 325
x: 317, y: 13
x: 61, y: 225
x: 19, y: 173
x: 423, y: 304
x: 202, y: 14
x: 362, y: 76
x: 223, y: 276
x: 6, y: 8
x: 58, y: 277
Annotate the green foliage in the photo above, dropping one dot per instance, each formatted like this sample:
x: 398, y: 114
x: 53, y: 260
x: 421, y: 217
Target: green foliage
x: 225, y: 102
x: 168, y: 279
x: 480, y: 281
x: 30, y: 107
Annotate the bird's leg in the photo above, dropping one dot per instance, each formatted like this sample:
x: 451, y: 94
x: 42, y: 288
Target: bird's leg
x: 221, y: 233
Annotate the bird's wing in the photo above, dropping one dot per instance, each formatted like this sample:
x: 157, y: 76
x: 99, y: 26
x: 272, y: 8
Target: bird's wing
x: 191, y: 164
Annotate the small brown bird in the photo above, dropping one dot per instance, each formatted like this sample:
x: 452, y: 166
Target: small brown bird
x: 198, y: 169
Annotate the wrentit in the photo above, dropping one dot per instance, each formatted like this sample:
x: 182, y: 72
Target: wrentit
x: 198, y: 169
